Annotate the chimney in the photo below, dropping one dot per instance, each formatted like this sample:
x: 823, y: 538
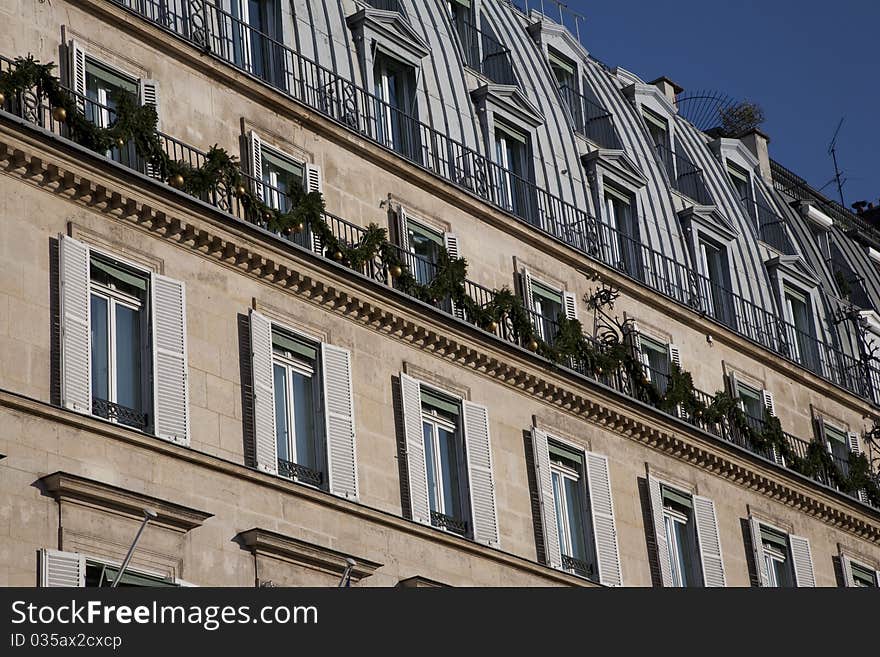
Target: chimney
x: 756, y: 141
x: 669, y: 88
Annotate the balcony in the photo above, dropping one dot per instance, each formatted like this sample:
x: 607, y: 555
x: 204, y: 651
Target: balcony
x: 770, y: 226
x: 589, y: 119
x: 119, y: 413
x: 449, y: 523
x: 484, y: 53
x: 300, y: 473
x: 684, y: 175
x: 649, y: 267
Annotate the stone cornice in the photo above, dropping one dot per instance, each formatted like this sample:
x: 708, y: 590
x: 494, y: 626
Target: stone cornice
x: 445, y: 191
x: 66, y: 487
x: 269, y: 543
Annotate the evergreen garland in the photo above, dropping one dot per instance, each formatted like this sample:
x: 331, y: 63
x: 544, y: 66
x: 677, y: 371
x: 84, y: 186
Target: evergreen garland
x: 220, y: 174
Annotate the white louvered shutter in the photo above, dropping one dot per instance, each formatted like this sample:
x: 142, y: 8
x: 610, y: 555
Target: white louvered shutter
x: 846, y: 569
x: 170, y: 397
x: 315, y: 183
x: 149, y: 95
x: 450, y: 241
x: 263, y: 374
x: 635, y: 343
x: 674, y: 354
x: 758, y: 552
x: 709, y: 542
x: 546, y: 498
x: 339, y: 418
x: 528, y: 295
x: 481, y: 478
x: 656, y: 497
x: 78, y: 73
x: 57, y: 568
x: 854, y: 446
x: 569, y: 304
x: 802, y: 560
x: 769, y: 402
x: 604, y: 528
x: 411, y: 401
x: 75, y: 313
x: 401, y: 218
x: 256, y: 152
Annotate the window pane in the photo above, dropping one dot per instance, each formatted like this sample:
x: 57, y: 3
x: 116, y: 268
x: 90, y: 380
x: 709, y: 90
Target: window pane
x: 304, y: 415
x: 559, y: 501
x: 281, y: 423
x: 685, y: 552
x: 575, y: 519
x: 128, y: 357
x: 674, y: 548
x: 100, y: 350
x: 430, y: 461
x: 449, y: 473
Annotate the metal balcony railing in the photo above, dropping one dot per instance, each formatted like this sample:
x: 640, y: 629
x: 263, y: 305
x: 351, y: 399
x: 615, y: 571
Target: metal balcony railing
x: 455, y: 525
x: 300, y: 473
x: 650, y: 267
x: 577, y: 566
x: 770, y: 226
x: 484, y: 53
x: 684, y: 175
x: 589, y: 118
x: 119, y: 413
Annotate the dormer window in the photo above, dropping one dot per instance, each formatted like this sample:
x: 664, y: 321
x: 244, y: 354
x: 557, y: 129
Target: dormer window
x: 799, y: 329
x: 742, y: 183
x: 622, y: 230
x: 255, y: 35
x: 395, y: 89
x: 512, y: 154
x: 715, y: 280
x: 564, y: 70
x: 658, y: 128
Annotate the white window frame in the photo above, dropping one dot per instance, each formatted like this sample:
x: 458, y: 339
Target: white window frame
x: 675, y: 550
x: 103, y: 98
x: 291, y: 366
x: 273, y: 199
x: 432, y: 418
x: 561, y: 505
x: 773, y: 556
x: 735, y: 170
x: 789, y: 316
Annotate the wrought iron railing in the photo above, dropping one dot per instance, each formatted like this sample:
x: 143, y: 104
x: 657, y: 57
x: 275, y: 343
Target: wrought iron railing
x: 386, y: 5
x: 589, y: 118
x: 109, y: 410
x: 300, y: 473
x: 684, y: 175
x: 770, y: 226
x: 577, y: 566
x: 484, y: 53
x: 455, y: 525
x: 654, y: 269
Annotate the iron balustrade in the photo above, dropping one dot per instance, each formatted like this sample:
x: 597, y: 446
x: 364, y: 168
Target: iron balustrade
x: 770, y: 226
x: 655, y: 270
x: 577, y: 566
x: 589, y: 118
x: 386, y: 5
x: 450, y: 523
x: 300, y: 473
x: 684, y: 175
x: 109, y: 410
x: 484, y: 53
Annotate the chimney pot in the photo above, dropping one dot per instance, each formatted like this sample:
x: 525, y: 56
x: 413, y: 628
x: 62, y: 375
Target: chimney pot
x: 669, y: 88
x: 756, y: 141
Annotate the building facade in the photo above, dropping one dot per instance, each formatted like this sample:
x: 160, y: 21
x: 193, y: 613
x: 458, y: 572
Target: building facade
x: 283, y: 406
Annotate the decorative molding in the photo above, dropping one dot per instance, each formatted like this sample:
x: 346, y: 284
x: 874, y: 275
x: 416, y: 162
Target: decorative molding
x: 708, y: 217
x: 733, y: 149
x: 648, y: 94
x: 795, y: 267
x: 343, y: 292
x: 64, y: 486
x: 391, y: 32
x: 616, y: 162
x: 507, y: 101
x: 419, y: 582
x: 309, y: 555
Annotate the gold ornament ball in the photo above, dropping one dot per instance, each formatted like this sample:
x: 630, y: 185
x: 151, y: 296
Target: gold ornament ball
x: 493, y: 326
x: 120, y: 142
x: 299, y: 227
x: 59, y: 114
x: 396, y: 271
x: 177, y: 180
x: 533, y: 345
x: 267, y: 216
x: 598, y: 370
x: 337, y: 256
x: 2, y: 99
x: 240, y: 191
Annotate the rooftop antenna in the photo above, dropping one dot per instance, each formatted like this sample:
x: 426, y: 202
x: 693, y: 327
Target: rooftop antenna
x: 832, y: 151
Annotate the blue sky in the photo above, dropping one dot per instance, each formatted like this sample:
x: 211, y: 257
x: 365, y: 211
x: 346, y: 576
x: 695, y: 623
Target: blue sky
x: 807, y: 63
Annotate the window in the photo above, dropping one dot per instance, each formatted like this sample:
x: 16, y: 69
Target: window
x: 621, y: 241
x: 658, y: 128
x: 102, y: 84
x: 714, y: 280
x: 303, y: 408
x: 862, y: 577
x: 751, y: 401
x: 565, y: 72
x: 395, y: 90
x: 448, y: 461
x: 569, y: 495
x: 425, y: 244
x: 281, y: 174
x: 776, y: 558
x: 119, y: 321
x: 577, y: 512
x: 298, y: 419
x: 656, y: 357
x: 680, y: 538
x: 255, y: 29
x: 798, y: 321
x: 101, y: 575
x: 742, y: 184
x: 547, y: 305
x: 444, y: 460
x: 110, y: 366
x: 512, y: 155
